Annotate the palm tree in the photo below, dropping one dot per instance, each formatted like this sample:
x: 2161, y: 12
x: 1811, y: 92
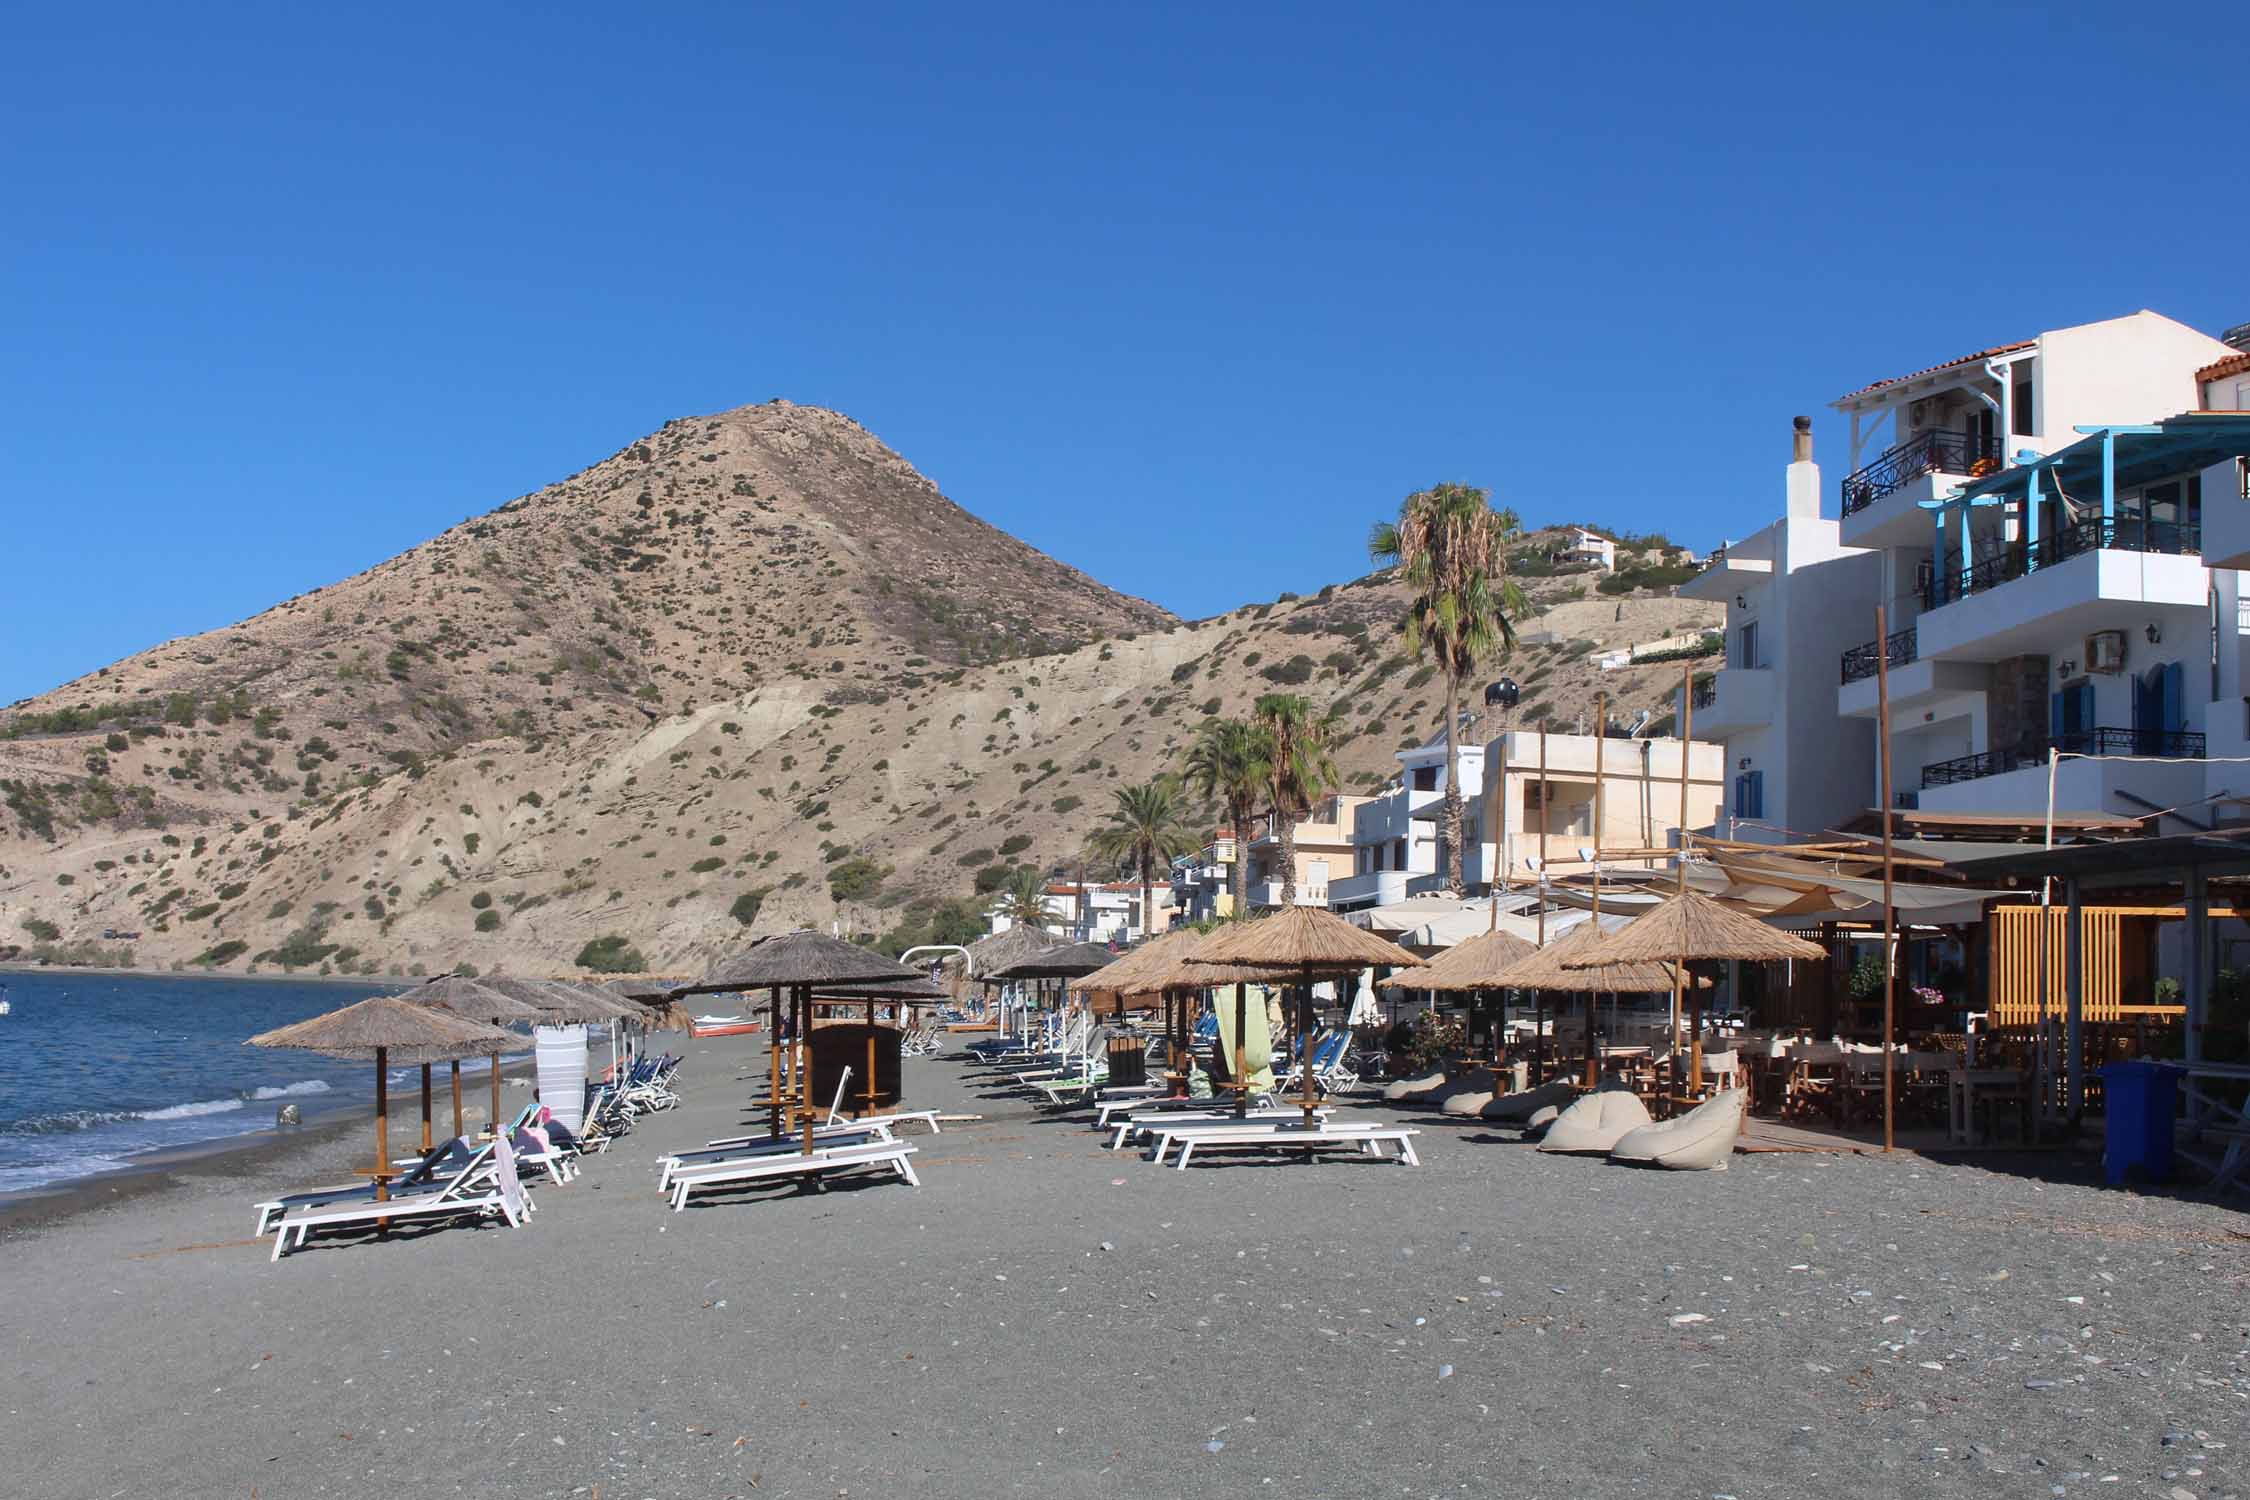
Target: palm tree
x: 1023, y: 900
x: 1300, y: 769
x: 1450, y: 545
x: 1148, y: 824
x: 1228, y: 762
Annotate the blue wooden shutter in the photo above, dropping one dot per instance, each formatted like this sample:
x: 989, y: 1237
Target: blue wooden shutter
x: 2175, y: 716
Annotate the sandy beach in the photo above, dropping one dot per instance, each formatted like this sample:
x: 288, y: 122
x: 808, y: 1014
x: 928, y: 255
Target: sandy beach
x: 1043, y: 1316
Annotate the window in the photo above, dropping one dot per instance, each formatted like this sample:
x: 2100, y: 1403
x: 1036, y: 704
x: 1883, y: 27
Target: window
x: 1398, y: 854
x: 1750, y: 795
x: 1425, y: 778
x: 2071, y: 713
x: 1746, y: 646
x: 2242, y: 477
x: 2022, y: 413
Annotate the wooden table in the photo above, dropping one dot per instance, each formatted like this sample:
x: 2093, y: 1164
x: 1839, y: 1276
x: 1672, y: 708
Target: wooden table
x: 1965, y: 1084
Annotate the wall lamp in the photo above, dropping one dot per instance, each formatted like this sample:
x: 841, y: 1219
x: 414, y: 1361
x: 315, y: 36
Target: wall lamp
x: 2154, y: 635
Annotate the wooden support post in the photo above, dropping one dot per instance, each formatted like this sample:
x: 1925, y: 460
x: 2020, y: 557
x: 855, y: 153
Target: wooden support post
x: 773, y: 1059
x: 871, y: 1105
x: 1241, y: 1079
x: 456, y: 1080
x: 382, y: 1124
x: 2074, y: 1000
x: 1601, y: 765
x: 494, y: 1122
x: 1890, y: 910
x: 426, y: 1141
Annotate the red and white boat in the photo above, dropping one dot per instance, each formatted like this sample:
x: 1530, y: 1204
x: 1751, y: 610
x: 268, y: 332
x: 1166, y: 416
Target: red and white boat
x: 702, y: 1026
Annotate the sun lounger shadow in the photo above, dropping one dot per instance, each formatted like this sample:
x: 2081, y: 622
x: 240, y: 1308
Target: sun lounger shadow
x: 777, y: 1189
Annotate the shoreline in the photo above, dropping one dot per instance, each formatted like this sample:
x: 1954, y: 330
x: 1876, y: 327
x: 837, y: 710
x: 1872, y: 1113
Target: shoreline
x: 111, y: 971
x: 252, y: 1153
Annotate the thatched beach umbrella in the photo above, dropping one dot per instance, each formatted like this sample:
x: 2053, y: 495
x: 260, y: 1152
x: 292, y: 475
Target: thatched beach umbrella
x: 800, y: 962
x: 1142, y: 973
x: 478, y: 1001
x: 1693, y: 927
x: 1305, y: 943
x: 377, y: 1028
x: 1563, y: 966
x: 1472, y: 968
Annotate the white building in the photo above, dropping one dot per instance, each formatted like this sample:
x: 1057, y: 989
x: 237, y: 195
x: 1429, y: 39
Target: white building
x: 1583, y: 547
x: 1795, y: 597
x: 2034, y: 531
x: 1394, y: 834
x: 1097, y: 912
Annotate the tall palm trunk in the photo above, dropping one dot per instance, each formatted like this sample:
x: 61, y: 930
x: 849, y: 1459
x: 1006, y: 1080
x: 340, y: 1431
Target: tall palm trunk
x: 1148, y: 909
x: 1452, y: 816
x: 1241, y: 814
x: 1286, y: 825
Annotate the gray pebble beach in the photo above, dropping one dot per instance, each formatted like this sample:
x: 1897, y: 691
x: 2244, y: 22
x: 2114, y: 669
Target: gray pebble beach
x: 1044, y: 1317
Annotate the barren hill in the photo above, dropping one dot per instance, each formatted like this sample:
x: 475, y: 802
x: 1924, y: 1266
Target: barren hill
x: 750, y: 671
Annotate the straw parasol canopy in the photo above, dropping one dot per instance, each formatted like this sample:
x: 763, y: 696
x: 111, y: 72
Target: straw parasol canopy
x: 581, y: 1001
x: 389, y: 1023
x: 1072, y: 962
x: 1550, y: 968
x: 390, y: 1029
x: 1474, y: 965
x: 1300, y: 941
x: 1128, y: 975
x: 803, y: 957
x: 1692, y: 926
x: 474, y: 998
x: 989, y: 955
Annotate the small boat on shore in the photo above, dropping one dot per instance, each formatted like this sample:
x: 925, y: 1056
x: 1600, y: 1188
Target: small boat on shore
x: 702, y: 1026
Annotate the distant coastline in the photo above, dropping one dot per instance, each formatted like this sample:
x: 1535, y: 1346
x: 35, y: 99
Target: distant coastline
x: 149, y: 973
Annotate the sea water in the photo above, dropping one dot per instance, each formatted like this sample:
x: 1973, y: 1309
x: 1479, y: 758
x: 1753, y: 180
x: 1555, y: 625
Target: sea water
x: 99, y: 1069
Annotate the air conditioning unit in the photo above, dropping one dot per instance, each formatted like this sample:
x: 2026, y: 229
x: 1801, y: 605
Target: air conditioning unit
x: 1923, y: 413
x: 2105, y: 652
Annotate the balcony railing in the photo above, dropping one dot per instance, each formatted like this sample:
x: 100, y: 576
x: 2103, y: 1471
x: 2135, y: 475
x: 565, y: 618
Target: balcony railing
x: 2095, y: 533
x: 1924, y: 453
x: 1862, y: 662
x: 1706, y: 693
x: 2163, y: 744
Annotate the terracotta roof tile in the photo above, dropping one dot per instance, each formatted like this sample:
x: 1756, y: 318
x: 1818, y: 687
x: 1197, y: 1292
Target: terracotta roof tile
x: 2233, y: 364
x: 1965, y: 359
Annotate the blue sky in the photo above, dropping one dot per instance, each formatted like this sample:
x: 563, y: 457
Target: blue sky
x: 1186, y: 296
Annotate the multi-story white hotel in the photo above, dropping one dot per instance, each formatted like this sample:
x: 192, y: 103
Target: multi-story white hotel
x: 2035, y: 531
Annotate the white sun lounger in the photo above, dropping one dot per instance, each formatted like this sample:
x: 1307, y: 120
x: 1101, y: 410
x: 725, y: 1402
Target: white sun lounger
x: 756, y: 1147
x: 504, y: 1196
x: 793, y: 1164
x: 1109, y: 1109
x: 1155, y: 1124
x: 1367, y: 1135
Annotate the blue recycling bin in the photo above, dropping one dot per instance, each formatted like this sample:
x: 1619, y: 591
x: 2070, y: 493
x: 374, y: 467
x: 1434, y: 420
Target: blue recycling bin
x: 2141, y: 1099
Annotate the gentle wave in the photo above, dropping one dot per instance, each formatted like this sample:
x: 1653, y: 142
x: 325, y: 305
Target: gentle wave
x: 67, y: 1120
x: 291, y: 1090
x: 187, y: 1111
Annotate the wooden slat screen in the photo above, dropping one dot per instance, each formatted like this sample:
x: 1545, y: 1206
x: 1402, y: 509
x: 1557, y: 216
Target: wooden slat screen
x: 2015, y: 943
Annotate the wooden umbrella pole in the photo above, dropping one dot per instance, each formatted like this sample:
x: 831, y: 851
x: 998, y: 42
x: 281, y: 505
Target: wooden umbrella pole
x: 456, y: 1081
x: 871, y: 1106
x: 1304, y: 1045
x: 382, y: 1124
x: 804, y: 1062
x: 495, y: 1080
x: 426, y: 1109
x: 1241, y: 1078
x: 773, y: 1052
x: 1601, y: 765
x: 1890, y: 912
x: 1679, y: 885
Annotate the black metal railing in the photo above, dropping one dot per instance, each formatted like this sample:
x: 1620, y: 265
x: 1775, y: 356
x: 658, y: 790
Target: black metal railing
x: 1706, y: 693
x: 1862, y: 662
x: 1924, y: 453
x: 2095, y: 533
x: 2165, y: 744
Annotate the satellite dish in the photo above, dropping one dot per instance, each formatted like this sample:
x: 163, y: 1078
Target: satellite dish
x: 1505, y: 693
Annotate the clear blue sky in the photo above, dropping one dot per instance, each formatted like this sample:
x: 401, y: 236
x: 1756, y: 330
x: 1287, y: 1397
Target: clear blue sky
x: 1185, y: 296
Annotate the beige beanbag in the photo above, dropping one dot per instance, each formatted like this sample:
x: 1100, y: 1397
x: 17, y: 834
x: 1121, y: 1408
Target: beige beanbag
x: 1699, y: 1141
x: 1434, y: 1085
x: 1596, y: 1122
x: 1551, y: 1095
x: 1471, y: 1092
x: 1545, y: 1114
